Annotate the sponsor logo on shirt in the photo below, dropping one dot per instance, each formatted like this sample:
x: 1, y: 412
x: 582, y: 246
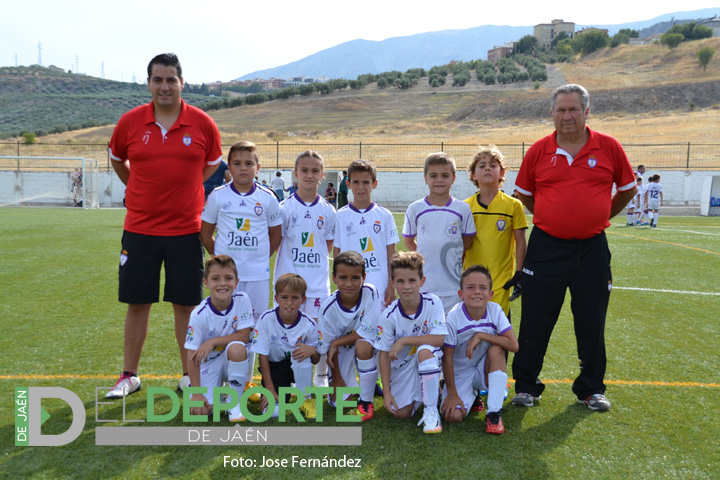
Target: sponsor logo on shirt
x: 366, y: 244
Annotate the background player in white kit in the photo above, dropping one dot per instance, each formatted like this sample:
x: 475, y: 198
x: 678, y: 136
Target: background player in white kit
x: 441, y: 228
x: 654, y: 198
x: 218, y: 337
x: 347, y: 323
x: 248, y: 222
x: 410, y: 337
x: 308, y: 230
x: 285, y: 340
x: 368, y: 228
x: 633, y: 208
x: 478, y: 336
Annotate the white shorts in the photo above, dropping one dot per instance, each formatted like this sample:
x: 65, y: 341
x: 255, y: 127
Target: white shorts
x: 346, y: 364
x: 405, y: 381
x: 467, y: 384
x: 259, y: 293
x: 631, y: 205
x: 311, y: 307
x: 654, y: 204
x: 214, y: 372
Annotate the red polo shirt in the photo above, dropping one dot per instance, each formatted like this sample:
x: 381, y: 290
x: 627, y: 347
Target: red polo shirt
x: 573, y: 196
x: 165, y: 195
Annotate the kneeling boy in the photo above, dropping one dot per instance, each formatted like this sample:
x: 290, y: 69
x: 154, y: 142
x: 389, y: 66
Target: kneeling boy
x: 218, y: 336
x: 409, y: 338
x: 285, y: 340
x: 347, y: 321
x: 479, y: 333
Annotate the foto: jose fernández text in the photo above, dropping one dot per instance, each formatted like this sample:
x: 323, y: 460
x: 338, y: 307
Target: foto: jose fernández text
x: 294, y: 461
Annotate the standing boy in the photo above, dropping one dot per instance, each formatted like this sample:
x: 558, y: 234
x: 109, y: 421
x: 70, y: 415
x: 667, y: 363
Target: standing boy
x: 440, y: 227
x: 478, y: 336
x: 248, y: 222
x: 162, y: 151
x: 410, y: 337
x: 368, y: 228
x: 285, y: 341
x: 500, y: 222
x: 348, y: 321
x: 218, y: 336
x: 654, y: 198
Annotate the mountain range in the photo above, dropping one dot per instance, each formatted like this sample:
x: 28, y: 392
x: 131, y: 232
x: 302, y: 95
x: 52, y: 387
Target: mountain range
x: 425, y: 50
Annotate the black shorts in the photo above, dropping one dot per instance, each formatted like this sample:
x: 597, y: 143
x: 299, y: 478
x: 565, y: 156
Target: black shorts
x: 141, y: 259
x: 282, y: 375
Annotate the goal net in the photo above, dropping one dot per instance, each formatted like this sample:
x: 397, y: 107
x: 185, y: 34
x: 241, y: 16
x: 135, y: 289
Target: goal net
x: 49, y: 181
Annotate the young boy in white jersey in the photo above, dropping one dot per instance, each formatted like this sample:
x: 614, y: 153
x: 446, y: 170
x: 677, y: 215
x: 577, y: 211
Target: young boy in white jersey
x: 368, y: 228
x: 634, y: 204
x: 654, y: 198
x: 441, y: 228
x: 308, y: 230
x: 409, y: 338
x: 248, y: 222
x: 218, y: 337
x: 478, y: 336
x: 285, y: 341
x: 347, y: 323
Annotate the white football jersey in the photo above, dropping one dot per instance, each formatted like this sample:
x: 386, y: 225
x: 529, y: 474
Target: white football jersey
x: 207, y: 322
x: 242, y: 221
x: 335, y: 321
x: 306, y: 230
x: 439, y: 232
x: 461, y: 328
x: 277, y: 340
x: 369, y: 233
x: 395, y: 324
x: 653, y: 192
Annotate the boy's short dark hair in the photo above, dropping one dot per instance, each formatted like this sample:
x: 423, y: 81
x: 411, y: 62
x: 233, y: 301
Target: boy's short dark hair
x: 247, y: 147
x: 408, y: 260
x: 440, y: 158
x: 221, y: 261
x: 362, y: 166
x: 292, y: 282
x: 166, y: 59
x: 475, y: 269
x: 493, y: 152
x: 350, y: 258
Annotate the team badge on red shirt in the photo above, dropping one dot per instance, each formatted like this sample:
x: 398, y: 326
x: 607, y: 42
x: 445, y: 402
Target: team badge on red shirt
x: 592, y: 162
x: 187, y: 140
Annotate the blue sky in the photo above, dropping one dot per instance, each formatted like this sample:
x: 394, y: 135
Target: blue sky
x: 226, y: 39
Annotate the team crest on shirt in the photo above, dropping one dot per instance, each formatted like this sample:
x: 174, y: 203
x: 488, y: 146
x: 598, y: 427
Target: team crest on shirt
x: 425, y: 328
x: 366, y: 245
x: 234, y: 324
x: 123, y: 257
x: 452, y: 230
x: 187, y: 140
x: 501, y: 224
x: 307, y: 239
x: 592, y: 161
x: 258, y: 209
x: 320, y: 222
x: 243, y: 224
x: 377, y: 226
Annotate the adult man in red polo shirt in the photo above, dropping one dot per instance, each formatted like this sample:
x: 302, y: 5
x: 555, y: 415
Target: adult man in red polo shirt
x: 163, y: 152
x: 566, y: 180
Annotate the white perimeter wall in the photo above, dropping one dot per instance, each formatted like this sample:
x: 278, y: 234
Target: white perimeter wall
x: 395, y: 190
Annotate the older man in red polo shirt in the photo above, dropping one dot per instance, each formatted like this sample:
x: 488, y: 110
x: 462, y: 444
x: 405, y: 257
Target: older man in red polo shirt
x: 163, y: 152
x: 566, y: 180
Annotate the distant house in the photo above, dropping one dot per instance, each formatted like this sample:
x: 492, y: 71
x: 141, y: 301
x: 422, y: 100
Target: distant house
x: 713, y: 24
x: 500, y: 52
x: 647, y: 40
x: 546, y: 32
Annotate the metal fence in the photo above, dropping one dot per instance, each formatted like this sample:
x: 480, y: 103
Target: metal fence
x: 386, y: 156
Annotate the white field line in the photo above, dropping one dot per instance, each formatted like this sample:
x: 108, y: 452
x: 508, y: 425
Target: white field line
x: 716, y: 294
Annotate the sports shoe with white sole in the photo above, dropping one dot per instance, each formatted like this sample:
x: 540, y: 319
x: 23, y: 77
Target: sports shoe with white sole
x: 524, y: 400
x: 235, y: 415
x: 184, y: 382
x: 596, y: 402
x: 276, y: 412
x: 430, y: 421
x: 127, y: 383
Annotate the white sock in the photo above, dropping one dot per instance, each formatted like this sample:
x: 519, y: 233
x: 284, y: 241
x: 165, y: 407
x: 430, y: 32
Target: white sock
x: 251, y: 367
x: 630, y: 217
x: 496, y: 390
x: 321, y: 369
x: 367, y: 371
x: 429, y: 372
x: 237, y: 376
x: 303, y: 374
x: 655, y: 217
